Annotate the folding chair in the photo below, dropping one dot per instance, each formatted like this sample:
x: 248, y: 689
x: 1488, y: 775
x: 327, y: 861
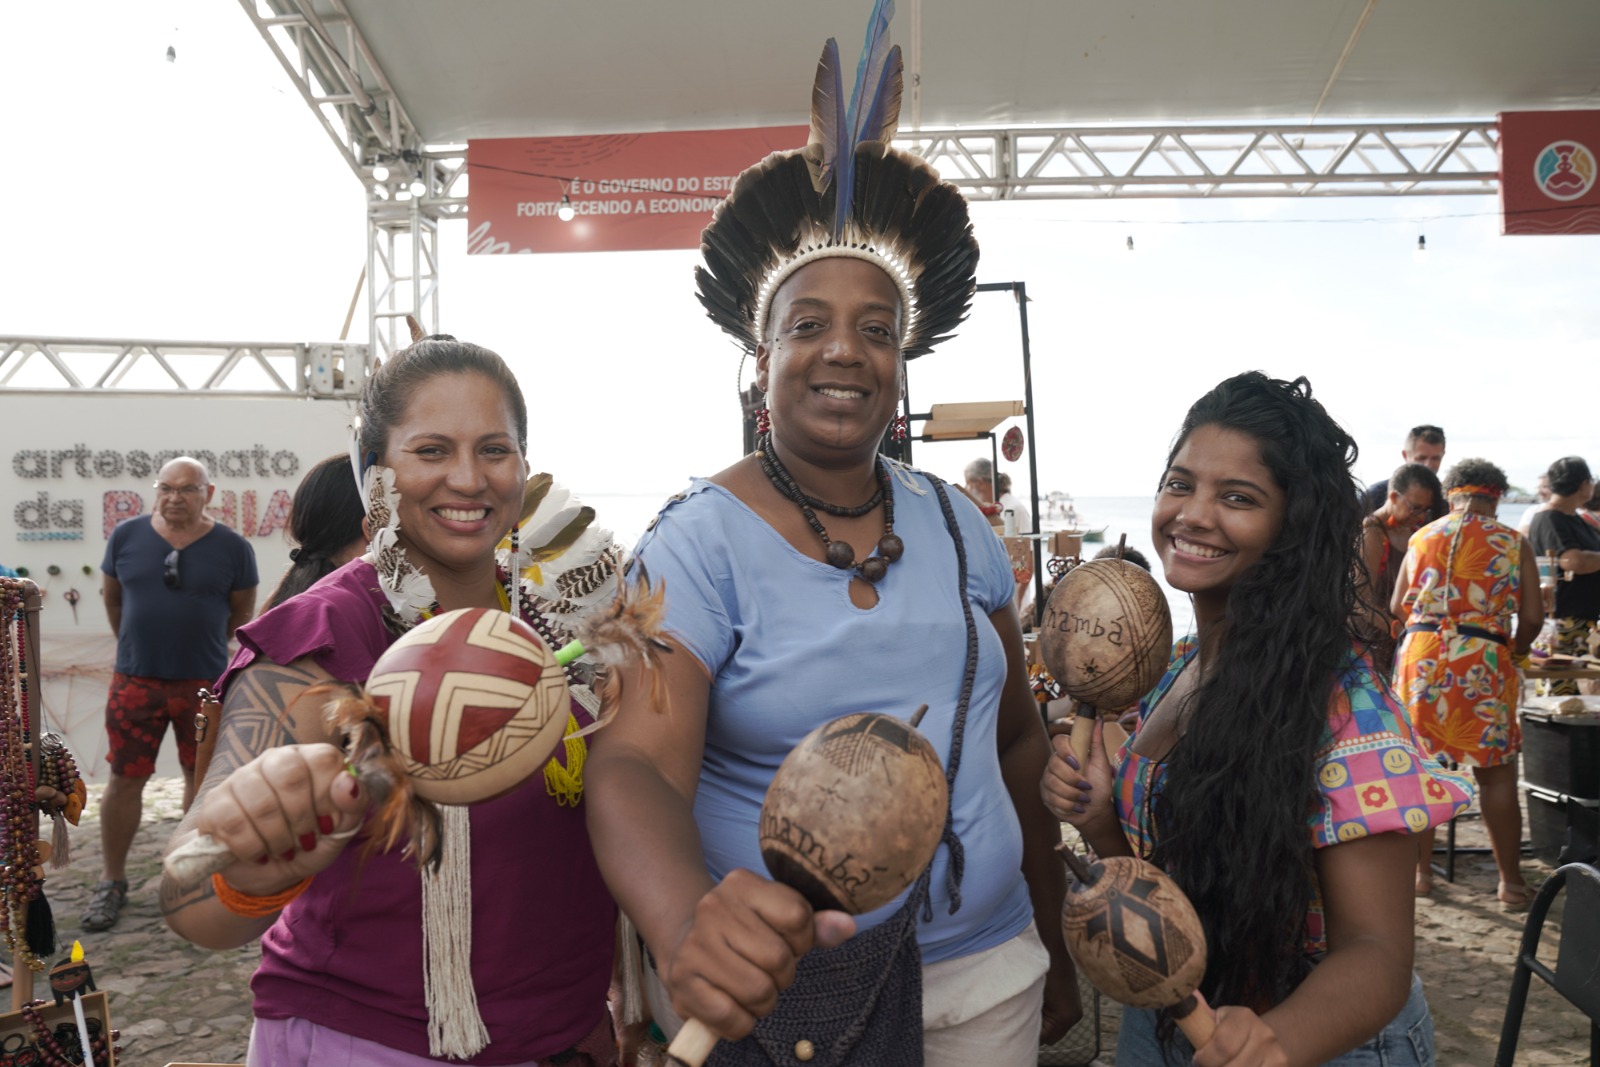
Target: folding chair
x: 1576, y: 975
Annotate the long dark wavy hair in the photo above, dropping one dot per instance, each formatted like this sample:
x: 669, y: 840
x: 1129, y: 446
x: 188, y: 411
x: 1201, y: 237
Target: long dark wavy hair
x: 324, y: 518
x: 1231, y: 820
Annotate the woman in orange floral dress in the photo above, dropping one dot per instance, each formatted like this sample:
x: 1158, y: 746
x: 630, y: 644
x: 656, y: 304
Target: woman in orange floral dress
x: 1464, y: 577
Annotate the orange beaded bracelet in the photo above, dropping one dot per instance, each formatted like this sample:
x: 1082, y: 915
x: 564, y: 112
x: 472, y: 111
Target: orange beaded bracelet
x: 249, y: 907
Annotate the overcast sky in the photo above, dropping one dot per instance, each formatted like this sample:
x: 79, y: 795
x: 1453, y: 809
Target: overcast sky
x: 201, y: 200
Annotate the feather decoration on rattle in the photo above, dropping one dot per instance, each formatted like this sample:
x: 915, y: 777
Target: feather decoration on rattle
x: 461, y: 709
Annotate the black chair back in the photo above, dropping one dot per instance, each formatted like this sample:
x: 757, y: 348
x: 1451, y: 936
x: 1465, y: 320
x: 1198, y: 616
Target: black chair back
x: 1577, y: 972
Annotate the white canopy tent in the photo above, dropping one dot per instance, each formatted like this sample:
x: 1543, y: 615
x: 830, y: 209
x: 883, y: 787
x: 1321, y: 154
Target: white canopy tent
x: 1010, y: 98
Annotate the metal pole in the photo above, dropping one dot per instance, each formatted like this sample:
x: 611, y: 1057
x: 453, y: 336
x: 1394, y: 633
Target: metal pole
x: 1020, y: 289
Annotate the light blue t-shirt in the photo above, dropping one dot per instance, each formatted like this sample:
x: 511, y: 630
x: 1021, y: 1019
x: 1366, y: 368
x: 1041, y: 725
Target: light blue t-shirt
x: 787, y: 651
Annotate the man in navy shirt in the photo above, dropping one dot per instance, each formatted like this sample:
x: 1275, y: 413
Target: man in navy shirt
x: 177, y: 584
x: 1424, y: 445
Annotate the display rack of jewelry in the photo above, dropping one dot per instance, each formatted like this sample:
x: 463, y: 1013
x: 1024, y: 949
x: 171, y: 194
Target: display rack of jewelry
x: 21, y: 870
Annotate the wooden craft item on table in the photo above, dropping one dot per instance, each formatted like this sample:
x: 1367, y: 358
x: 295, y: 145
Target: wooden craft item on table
x: 16, y: 1034
x: 1136, y: 936
x: 851, y: 818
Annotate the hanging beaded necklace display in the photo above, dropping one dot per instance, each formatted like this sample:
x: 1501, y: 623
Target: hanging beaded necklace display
x: 53, y: 1047
x: 839, y: 553
x: 19, y: 854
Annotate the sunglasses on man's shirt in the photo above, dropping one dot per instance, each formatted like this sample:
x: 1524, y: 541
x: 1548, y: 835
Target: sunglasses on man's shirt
x: 169, y: 569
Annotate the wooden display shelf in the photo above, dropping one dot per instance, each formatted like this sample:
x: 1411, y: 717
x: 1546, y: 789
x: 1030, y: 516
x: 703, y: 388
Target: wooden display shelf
x: 955, y: 422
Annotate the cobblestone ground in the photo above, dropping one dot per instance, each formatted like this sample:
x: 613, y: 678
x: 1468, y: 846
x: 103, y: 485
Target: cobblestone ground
x: 174, y: 1002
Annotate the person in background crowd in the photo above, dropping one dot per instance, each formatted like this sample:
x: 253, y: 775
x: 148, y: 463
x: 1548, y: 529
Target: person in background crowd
x: 1560, y: 531
x: 1466, y: 577
x: 1424, y: 445
x: 177, y: 584
x: 325, y: 523
x: 1271, y: 722
x: 1415, y: 499
x: 982, y: 483
x: 1542, y: 493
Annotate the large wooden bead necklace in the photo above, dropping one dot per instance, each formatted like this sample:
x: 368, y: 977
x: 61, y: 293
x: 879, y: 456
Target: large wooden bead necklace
x: 839, y: 553
x: 19, y: 856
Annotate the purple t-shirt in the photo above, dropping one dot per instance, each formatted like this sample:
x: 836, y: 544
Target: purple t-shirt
x: 347, y: 954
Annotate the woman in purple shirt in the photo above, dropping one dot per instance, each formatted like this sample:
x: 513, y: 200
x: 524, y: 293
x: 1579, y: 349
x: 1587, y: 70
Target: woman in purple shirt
x: 348, y: 976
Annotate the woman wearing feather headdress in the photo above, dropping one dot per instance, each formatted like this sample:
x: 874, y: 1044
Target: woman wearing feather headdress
x: 364, y: 959
x: 832, y: 265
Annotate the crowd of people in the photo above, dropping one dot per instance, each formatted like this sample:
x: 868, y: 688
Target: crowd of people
x: 1355, y: 654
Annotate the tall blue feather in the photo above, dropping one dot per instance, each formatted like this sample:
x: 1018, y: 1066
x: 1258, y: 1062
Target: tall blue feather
x: 874, y: 54
x: 881, y: 116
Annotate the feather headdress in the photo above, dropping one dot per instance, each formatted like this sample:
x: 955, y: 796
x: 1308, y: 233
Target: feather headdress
x: 847, y: 193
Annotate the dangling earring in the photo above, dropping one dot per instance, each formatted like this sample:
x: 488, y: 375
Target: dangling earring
x: 899, y: 429
x: 763, y: 420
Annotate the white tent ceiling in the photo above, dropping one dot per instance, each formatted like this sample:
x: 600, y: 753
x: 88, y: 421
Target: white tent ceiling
x: 503, y: 68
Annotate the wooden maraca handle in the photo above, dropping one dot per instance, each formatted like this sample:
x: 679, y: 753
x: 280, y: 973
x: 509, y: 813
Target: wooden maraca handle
x: 1083, y: 732
x: 1195, y: 1018
x: 693, y: 1044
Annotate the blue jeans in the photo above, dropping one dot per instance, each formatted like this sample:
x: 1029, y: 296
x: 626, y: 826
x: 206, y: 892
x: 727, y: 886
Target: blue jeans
x: 1407, y: 1041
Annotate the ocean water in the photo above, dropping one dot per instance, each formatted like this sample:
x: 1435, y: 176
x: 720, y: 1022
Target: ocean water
x: 627, y: 515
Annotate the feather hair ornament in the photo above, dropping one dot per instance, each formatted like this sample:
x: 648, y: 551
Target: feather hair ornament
x: 847, y: 193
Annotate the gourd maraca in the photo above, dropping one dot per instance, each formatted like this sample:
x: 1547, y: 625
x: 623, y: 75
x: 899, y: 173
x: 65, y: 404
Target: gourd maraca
x: 1106, y: 637
x: 1136, y: 936
x: 851, y: 818
x: 469, y: 705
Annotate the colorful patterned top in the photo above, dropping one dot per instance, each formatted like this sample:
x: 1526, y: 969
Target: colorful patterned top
x: 1455, y: 672
x: 1373, y: 778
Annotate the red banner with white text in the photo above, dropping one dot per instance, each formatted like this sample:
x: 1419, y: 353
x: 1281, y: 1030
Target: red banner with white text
x: 1549, y: 163
x: 623, y: 192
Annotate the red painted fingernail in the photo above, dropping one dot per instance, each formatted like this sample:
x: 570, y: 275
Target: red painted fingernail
x: 355, y: 788
x: 308, y: 842
x: 324, y: 824
x: 289, y: 855
x: 263, y: 859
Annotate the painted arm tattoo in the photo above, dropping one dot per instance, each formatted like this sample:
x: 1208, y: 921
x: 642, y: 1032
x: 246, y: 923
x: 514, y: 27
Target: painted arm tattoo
x: 258, y: 713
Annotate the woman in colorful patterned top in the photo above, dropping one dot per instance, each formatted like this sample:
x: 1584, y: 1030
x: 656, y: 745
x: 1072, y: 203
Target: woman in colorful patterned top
x: 1464, y: 578
x: 1271, y: 772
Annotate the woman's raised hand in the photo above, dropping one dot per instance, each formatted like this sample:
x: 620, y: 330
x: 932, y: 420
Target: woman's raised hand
x: 741, y: 949
x: 285, y: 815
x: 1078, y: 790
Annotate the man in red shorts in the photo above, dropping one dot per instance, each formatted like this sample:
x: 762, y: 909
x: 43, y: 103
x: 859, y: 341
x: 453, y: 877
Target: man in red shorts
x: 177, y: 584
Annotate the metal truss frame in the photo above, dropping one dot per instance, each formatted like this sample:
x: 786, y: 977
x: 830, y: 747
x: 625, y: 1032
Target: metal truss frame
x: 1327, y: 159
x: 88, y: 365
x: 1182, y: 162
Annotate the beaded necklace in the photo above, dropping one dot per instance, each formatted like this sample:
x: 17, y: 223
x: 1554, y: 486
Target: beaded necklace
x: 50, y: 1048
x: 19, y: 855
x: 839, y: 553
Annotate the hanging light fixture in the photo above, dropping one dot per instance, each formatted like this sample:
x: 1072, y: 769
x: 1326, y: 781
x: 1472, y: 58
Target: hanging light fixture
x: 1130, y: 242
x: 1421, y: 252
x: 380, y: 173
x: 566, y: 212
x: 418, y: 189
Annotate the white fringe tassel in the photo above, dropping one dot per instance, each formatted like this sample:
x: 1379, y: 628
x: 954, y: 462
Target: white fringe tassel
x: 455, y: 1029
